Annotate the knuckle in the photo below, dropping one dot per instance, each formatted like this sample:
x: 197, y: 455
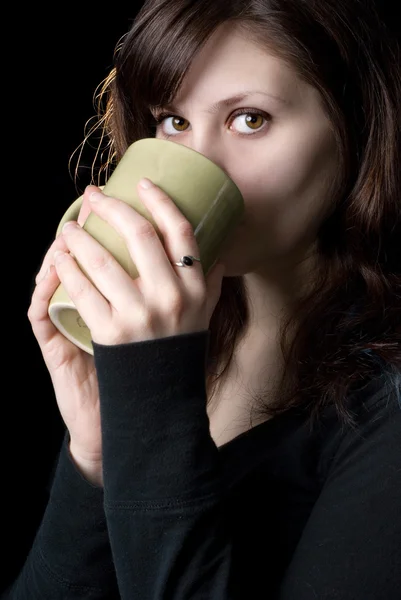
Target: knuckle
x: 174, y: 303
x: 145, y: 230
x: 144, y: 319
x: 79, y: 290
x: 185, y: 229
x: 31, y: 313
x: 100, y: 262
x: 32, y: 309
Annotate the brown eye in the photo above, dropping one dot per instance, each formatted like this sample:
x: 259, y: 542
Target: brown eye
x: 248, y: 122
x: 254, y: 121
x: 179, y: 123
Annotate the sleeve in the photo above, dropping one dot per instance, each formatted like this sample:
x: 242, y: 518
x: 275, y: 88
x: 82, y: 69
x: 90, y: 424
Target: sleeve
x: 170, y: 534
x: 70, y: 558
x: 350, y: 548
x: 163, y: 497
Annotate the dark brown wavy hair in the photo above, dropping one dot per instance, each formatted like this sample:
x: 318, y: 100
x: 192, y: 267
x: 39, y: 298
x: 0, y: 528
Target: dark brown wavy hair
x: 347, y: 328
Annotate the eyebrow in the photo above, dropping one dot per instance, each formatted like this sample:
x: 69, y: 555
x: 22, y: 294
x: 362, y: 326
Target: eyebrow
x: 227, y: 102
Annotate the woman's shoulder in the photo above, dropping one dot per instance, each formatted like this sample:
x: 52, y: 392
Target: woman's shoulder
x: 375, y: 435
x: 380, y: 394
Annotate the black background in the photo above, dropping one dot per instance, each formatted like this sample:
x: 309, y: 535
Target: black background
x: 53, y: 60
x: 53, y: 64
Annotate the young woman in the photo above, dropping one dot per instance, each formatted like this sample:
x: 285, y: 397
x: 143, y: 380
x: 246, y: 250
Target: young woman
x: 237, y: 435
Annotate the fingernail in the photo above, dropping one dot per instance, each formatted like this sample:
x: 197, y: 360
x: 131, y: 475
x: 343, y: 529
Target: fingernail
x: 146, y: 184
x: 95, y: 197
x: 70, y: 225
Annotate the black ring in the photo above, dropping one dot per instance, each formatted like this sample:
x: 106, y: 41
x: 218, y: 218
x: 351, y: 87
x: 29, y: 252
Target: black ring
x: 187, y: 261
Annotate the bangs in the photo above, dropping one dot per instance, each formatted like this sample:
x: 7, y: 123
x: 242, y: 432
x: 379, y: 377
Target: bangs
x: 159, y: 49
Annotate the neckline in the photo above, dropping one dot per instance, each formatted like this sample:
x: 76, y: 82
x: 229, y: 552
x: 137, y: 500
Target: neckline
x: 259, y: 429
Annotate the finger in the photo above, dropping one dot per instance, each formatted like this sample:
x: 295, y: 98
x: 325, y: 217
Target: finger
x: 106, y: 274
x: 92, y: 306
x: 58, y: 244
x: 38, y: 316
x: 178, y: 234
x: 143, y: 243
x: 86, y: 207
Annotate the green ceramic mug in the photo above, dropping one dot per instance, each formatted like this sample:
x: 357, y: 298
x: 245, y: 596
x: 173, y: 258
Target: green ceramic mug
x: 203, y: 192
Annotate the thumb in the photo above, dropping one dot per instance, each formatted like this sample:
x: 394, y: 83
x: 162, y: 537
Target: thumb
x: 214, y: 281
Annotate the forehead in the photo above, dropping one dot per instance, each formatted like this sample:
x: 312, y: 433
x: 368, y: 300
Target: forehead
x: 229, y: 64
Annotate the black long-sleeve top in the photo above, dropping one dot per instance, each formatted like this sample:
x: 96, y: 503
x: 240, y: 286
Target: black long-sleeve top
x: 280, y: 512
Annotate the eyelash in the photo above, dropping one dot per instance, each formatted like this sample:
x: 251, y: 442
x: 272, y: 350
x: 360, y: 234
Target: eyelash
x: 241, y: 111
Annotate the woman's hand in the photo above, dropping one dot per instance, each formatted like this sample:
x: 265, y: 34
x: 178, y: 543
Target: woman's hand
x: 165, y: 299
x: 72, y: 370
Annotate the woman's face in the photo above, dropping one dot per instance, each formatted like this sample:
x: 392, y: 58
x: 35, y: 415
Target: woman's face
x: 276, y: 144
